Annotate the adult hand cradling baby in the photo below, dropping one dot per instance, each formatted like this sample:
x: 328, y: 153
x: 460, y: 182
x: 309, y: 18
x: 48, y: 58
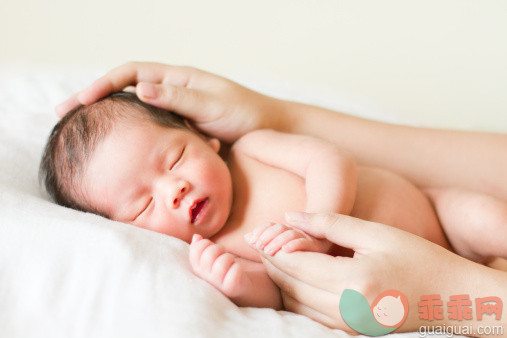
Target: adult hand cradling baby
x: 385, y: 257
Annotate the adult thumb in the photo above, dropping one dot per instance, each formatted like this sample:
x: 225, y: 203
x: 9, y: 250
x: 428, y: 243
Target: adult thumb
x: 184, y: 101
x: 346, y: 231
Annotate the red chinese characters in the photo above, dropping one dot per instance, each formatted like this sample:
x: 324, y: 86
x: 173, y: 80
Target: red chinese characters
x: 488, y: 305
x: 430, y: 307
x: 459, y: 307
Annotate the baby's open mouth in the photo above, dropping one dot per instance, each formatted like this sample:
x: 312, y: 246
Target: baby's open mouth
x: 196, y: 211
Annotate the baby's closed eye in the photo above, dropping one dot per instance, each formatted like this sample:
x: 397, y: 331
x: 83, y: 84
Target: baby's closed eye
x: 147, y: 205
x: 178, y: 159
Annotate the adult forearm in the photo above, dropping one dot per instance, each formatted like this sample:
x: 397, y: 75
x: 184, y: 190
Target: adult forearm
x: 465, y: 292
x: 427, y: 157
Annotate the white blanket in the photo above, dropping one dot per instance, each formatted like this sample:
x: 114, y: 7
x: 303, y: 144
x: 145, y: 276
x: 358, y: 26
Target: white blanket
x: 65, y: 273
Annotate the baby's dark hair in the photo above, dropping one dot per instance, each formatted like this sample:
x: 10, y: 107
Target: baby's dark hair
x: 75, y: 137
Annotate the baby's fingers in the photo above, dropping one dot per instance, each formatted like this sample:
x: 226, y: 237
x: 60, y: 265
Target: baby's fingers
x: 253, y: 236
x: 197, y: 248
x: 300, y: 244
x: 210, y: 255
x: 270, y: 234
x: 281, y: 240
x: 221, y: 267
x: 234, y: 281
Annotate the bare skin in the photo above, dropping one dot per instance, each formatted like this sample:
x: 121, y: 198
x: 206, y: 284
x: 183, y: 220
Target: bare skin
x: 312, y: 283
x: 427, y: 157
x: 469, y: 161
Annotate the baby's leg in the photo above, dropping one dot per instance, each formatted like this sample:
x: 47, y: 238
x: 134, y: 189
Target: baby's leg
x: 475, y: 224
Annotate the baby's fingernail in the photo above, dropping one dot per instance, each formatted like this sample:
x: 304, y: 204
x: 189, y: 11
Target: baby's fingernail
x: 248, y: 237
x: 259, y: 245
x: 147, y: 90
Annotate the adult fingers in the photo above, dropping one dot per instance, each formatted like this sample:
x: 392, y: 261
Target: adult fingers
x: 66, y: 106
x: 350, y: 232
x: 315, y: 299
x: 187, y: 102
x: 295, y: 306
x: 297, y: 271
x: 130, y: 74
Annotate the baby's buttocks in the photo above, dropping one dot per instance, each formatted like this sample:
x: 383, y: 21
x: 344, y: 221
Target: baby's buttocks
x: 387, y: 198
x: 261, y: 193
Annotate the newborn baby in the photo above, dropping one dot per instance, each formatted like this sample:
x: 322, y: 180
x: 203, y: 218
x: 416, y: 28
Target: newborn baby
x: 138, y: 164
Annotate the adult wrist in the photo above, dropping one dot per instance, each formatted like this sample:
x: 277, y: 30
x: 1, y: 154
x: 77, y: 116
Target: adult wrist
x: 460, y: 288
x: 281, y: 115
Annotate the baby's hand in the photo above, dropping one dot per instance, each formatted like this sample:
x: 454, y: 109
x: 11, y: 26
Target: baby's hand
x: 273, y: 237
x: 212, y: 263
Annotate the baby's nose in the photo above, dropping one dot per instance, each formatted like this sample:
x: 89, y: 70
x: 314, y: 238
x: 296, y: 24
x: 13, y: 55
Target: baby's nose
x: 181, y: 190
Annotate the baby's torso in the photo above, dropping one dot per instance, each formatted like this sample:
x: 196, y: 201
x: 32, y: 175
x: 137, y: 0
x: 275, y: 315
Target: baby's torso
x: 263, y: 193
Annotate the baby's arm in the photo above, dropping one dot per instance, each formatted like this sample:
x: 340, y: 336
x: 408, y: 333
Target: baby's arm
x: 245, y: 282
x: 330, y: 175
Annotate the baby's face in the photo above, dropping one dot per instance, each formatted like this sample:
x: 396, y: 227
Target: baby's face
x: 167, y: 180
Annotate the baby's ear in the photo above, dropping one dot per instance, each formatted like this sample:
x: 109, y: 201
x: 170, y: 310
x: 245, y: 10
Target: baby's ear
x: 214, y: 144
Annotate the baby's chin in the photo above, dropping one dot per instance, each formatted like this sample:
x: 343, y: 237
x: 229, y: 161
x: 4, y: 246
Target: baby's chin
x: 218, y: 222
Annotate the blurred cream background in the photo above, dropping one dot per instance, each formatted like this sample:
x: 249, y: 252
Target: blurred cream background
x: 433, y: 63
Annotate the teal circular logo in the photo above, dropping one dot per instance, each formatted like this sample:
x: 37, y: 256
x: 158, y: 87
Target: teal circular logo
x: 387, y: 312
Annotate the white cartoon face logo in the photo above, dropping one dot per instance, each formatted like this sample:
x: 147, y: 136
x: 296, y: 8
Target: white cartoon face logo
x: 389, y: 311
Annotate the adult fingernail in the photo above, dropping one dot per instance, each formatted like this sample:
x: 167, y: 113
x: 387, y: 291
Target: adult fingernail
x: 195, y: 237
x: 293, y: 216
x: 147, y: 90
x: 79, y: 97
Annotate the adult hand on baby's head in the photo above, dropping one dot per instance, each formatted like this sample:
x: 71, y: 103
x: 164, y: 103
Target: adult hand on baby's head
x: 385, y: 258
x: 217, y: 106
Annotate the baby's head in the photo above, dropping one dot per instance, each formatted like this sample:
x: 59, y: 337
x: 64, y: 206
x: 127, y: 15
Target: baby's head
x: 135, y: 163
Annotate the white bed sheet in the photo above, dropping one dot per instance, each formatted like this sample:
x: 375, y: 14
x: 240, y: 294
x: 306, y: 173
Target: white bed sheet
x: 65, y: 273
